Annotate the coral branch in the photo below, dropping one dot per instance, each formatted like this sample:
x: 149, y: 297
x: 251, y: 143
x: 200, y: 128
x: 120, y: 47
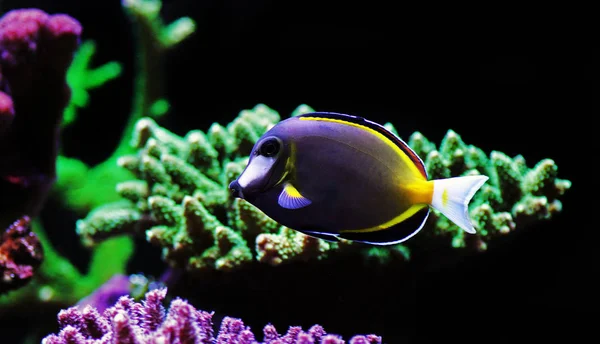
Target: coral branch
x: 153, y: 39
x: 81, y: 78
x: 148, y: 322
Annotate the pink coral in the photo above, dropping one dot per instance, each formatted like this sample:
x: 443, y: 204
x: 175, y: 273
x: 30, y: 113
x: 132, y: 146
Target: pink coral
x: 129, y: 322
x: 35, y: 51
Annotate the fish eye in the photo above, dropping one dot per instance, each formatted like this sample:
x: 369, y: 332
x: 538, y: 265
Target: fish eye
x: 270, y: 147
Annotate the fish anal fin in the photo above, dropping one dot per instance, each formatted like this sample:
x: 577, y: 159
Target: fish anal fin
x: 393, y: 235
x: 321, y: 235
x: 290, y: 198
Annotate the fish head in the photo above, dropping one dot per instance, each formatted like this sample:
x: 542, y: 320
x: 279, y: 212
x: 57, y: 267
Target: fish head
x: 268, y: 167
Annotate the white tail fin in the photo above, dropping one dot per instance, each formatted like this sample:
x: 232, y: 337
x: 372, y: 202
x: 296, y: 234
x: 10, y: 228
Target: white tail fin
x: 451, y: 196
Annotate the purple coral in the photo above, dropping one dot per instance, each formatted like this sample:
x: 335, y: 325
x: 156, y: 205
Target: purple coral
x: 35, y: 51
x: 130, y: 322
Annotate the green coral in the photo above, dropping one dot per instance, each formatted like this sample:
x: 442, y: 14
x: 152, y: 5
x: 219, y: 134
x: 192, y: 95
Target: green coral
x: 79, y: 186
x: 154, y: 38
x: 514, y: 196
x: 180, y: 199
x: 182, y: 202
x: 81, y: 78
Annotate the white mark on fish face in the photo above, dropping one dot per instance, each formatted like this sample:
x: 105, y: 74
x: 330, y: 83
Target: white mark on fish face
x: 257, y: 172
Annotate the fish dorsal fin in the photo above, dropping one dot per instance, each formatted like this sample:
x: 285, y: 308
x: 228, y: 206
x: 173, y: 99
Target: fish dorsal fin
x: 360, y: 121
x: 290, y: 198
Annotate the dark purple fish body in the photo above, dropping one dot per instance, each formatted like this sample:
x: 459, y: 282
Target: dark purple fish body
x: 337, y: 176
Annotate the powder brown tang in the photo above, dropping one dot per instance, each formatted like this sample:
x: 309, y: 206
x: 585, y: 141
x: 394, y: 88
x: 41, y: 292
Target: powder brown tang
x: 332, y: 176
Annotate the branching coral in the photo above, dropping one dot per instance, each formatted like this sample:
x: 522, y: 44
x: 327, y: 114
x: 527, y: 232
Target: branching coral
x: 180, y: 198
x: 148, y: 322
x: 515, y: 195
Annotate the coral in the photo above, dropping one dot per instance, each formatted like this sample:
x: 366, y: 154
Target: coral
x: 154, y: 38
x: 181, y: 202
x: 57, y: 281
x: 514, y: 197
x: 149, y: 322
x: 35, y: 52
x: 78, y: 187
x: 118, y: 285
x: 81, y: 79
x: 20, y: 255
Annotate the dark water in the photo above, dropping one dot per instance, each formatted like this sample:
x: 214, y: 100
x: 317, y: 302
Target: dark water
x: 502, y: 81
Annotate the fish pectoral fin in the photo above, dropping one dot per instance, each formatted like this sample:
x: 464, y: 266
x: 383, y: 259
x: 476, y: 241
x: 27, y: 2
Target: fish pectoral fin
x: 290, y: 198
x: 320, y: 235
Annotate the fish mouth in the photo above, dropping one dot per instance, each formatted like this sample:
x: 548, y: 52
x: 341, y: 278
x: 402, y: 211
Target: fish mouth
x: 255, y: 187
x: 236, y: 189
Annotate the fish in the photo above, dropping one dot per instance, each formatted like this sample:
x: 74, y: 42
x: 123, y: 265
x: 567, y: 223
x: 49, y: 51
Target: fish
x: 337, y: 176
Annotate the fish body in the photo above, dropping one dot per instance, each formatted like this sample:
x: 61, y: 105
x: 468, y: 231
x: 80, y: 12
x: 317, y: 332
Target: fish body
x: 333, y: 176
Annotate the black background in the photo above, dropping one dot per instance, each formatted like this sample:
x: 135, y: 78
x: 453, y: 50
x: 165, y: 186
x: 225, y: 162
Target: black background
x: 512, y: 79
